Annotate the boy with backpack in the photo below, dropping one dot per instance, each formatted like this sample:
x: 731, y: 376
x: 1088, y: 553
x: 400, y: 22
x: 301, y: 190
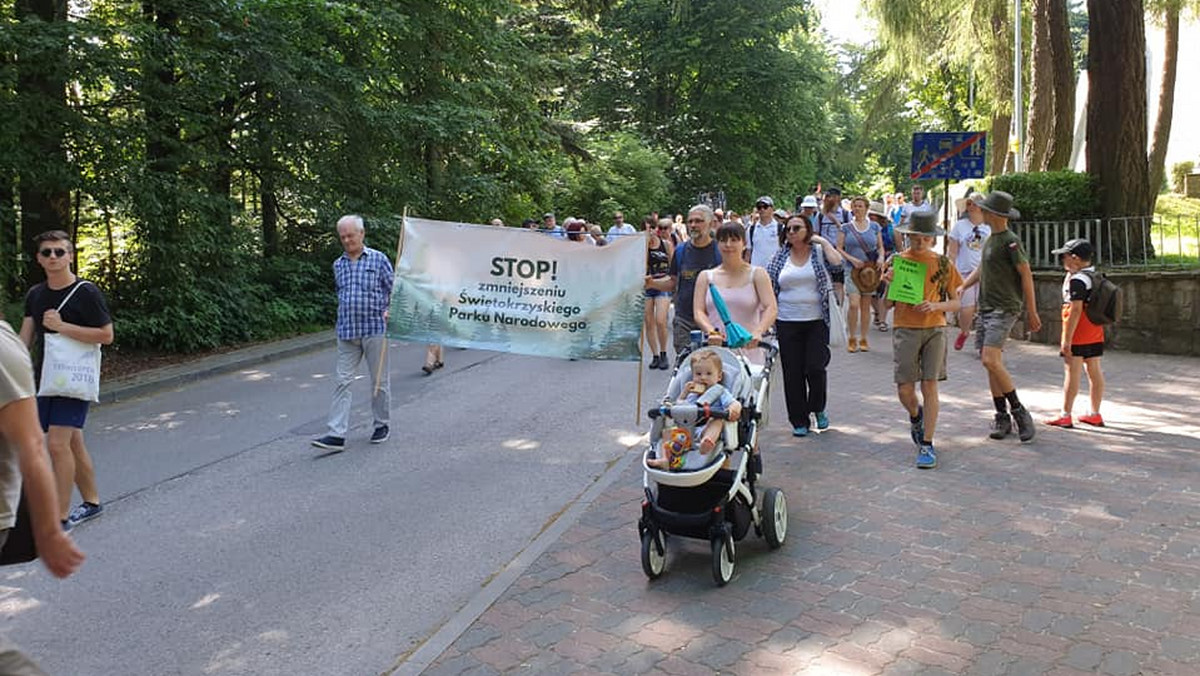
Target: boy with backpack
x: 1082, y: 342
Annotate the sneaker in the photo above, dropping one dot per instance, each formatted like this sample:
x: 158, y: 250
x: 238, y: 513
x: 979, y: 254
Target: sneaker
x: 926, y: 457
x: 1001, y: 426
x: 84, y: 511
x: 1025, y: 428
x: 380, y: 434
x: 1092, y: 419
x: 801, y: 431
x: 330, y: 442
x: 67, y: 525
x: 916, y: 428
x: 960, y: 341
x: 1063, y: 421
x: 654, y: 363
x: 822, y: 421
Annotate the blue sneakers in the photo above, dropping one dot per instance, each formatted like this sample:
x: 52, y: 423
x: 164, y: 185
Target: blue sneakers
x: 83, y: 512
x: 917, y: 427
x: 822, y: 421
x: 330, y: 442
x: 801, y: 431
x: 926, y: 457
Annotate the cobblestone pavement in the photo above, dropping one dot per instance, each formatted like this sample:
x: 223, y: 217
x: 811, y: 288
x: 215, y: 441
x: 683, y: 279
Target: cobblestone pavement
x: 1074, y: 554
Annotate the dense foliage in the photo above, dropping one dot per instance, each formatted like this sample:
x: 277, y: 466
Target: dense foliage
x: 1052, y: 195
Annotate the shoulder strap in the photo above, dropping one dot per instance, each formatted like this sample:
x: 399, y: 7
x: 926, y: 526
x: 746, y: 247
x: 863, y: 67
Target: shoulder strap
x: 78, y: 283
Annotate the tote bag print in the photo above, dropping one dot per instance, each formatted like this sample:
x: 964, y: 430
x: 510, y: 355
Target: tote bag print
x: 70, y: 368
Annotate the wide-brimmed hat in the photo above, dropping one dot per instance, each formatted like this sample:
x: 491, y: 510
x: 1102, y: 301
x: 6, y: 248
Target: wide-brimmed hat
x: 922, y: 222
x: 1000, y: 203
x: 866, y: 278
x: 877, y: 209
x: 809, y: 201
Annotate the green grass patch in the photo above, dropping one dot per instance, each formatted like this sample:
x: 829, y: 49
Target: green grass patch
x: 1176, y: 231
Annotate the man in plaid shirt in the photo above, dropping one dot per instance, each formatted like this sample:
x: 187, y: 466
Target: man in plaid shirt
x: 363, y: 277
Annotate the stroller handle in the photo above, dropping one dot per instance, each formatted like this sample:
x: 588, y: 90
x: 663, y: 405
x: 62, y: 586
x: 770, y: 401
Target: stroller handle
x: 685, y: 411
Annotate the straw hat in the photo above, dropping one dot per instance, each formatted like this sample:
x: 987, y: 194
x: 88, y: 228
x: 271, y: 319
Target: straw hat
x: 866, y: 278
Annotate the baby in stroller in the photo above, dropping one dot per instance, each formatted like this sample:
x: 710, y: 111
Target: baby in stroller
x: 704, y: 389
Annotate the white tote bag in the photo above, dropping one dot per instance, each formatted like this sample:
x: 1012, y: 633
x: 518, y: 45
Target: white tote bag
x: 70, y: 368
x: 837, y: 324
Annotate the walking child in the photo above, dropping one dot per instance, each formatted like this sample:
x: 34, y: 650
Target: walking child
x: 919, y: 337
x: 1082, y: 342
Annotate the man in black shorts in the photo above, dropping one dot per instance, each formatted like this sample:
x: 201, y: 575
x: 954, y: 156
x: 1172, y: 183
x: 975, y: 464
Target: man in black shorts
x: 84, y: 317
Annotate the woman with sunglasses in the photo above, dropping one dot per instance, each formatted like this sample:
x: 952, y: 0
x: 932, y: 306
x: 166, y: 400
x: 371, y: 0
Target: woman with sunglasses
x: 802, y: 287
x: 745, y: 289
x: 659, y: 250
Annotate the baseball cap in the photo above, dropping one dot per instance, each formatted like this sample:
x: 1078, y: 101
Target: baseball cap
x: 1079, y: 246
x: 765, y: 199
x: 833, y: 190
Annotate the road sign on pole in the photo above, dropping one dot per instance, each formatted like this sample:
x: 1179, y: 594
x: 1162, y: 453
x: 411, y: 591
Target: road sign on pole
x: 948, y: 155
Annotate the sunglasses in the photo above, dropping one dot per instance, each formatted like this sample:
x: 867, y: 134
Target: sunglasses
x: 762, y: 206
x: 795, y: 228
x: 56, y: 253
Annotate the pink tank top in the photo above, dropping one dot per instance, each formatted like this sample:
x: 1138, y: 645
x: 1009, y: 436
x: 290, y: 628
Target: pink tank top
x: 742, y: 302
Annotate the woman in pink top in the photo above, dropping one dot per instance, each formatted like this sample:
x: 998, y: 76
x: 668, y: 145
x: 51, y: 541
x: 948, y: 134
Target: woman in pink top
x: 745, y: 288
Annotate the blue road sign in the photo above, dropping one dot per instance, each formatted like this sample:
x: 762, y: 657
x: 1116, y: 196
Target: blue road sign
x: 948, y: 155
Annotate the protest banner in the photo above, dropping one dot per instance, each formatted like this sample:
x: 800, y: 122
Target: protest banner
x: 908, y: 281
x: 518, y: 290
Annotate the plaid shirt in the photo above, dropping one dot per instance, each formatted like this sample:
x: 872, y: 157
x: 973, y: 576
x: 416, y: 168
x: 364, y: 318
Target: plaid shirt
x: 364, y: 291
x: 824, y: 284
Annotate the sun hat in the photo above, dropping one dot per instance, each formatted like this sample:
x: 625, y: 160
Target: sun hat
x: 922, y: 222
x: 866, y: 277
x: 809, y: 201
x: 877, y: 209
x: 1000, y: 203
x: 1079, y: 246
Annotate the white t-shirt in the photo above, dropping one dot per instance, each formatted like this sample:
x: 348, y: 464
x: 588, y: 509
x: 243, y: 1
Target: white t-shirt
x: 970, y: 238
x: 764, y: 242
x: 623, y: 229
x: 799, y: 296
x: 907, y: 210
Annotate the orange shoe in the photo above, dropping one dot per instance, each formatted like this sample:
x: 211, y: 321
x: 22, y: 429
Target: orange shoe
x: 852, y: 345
x: 1092, y: 419
x: 862, y: 345
x: 1062, y: 421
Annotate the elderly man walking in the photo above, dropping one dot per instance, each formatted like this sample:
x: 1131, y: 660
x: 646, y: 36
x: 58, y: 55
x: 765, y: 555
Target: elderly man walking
x: 363, y: 279
x: 697, y: 254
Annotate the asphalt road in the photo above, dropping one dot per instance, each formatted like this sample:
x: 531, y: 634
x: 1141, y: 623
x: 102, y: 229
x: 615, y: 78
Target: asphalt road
x: 230, y: 546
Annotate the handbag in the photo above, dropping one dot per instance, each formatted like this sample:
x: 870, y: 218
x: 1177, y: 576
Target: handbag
x: 837, y: 324
x: 735, y: 334
x: 70, y: 368
x: 19, y: 546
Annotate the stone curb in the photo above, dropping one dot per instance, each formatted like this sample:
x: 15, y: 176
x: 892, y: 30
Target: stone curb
x: 167, y: 377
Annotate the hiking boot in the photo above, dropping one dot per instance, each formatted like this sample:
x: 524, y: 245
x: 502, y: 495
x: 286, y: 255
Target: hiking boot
x: 1092, y: 419
x: 1001, y: 426
x: 926, y: 457
x: 1063, y: 421
x: 1025, y: 427
x: 664, y: 363
x: 330, y: 442
x: 822, y: 421
x: 654, y: 363
x: 380, y: 434
x: 916, y: 428
x: 84, y: 511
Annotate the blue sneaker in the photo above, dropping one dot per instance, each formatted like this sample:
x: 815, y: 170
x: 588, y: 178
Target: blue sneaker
x: 822, y: 421
x: 330, y: 442
x: 83, y: 512
x: 801, y: 431
x: 926, y: 457
x: 917, y: 428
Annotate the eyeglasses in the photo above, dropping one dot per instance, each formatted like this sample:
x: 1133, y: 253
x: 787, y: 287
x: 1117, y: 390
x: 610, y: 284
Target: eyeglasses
x: 695, y: 220
x: 57, y: 253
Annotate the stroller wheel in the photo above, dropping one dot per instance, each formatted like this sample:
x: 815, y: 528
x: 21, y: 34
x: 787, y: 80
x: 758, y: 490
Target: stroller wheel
x: 774, y: 517
x: 654, y: 555
x: 722, y: 560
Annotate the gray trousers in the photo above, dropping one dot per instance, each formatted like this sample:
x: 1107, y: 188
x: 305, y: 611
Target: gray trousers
x: 350, y: 354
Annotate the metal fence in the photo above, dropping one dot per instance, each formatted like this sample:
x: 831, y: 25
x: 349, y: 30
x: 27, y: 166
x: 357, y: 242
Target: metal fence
x: 1120, y: 242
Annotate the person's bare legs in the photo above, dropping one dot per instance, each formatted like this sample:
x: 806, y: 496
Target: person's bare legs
x: 853, y: 315
x: 649, y: 326
x: 999, y: 381
x: 1095, y: 382
x: 929, y: 396
x: 85, y: 471
x: 58, y: 441
x: 864, y: 318
x: 662, y: 308
x: 1072, y: 370
x: 966, y: 316
x: 907, y: 393
x: 710, y: 435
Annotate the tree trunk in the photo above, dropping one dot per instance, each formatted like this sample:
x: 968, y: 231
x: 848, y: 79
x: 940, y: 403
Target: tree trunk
x: 1116, y: 123
x: 11, y: 273
x: 158, y: 216
x: 1001, y: 48
x: 1041, y: 95
x: 1063, y: 141
x: 1166, y: 104
x: 44, y: 191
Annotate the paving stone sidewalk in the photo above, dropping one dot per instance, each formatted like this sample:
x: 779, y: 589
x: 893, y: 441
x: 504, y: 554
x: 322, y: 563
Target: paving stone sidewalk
x: 1078, y: 553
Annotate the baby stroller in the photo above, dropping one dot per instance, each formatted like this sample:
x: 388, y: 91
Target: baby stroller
x: 705, y: 499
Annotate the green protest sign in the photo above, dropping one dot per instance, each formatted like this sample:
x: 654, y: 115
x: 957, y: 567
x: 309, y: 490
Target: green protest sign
x: 908, y: 281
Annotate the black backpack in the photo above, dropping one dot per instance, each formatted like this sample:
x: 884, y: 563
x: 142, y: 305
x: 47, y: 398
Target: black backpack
x: 1103, y: 304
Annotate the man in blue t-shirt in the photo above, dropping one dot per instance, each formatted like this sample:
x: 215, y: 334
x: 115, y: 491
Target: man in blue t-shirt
x: 696, y: 254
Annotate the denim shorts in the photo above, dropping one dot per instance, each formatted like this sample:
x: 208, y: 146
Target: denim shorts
x: 655, y: 293
x: 62, y: 412
x: 994, y: 327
